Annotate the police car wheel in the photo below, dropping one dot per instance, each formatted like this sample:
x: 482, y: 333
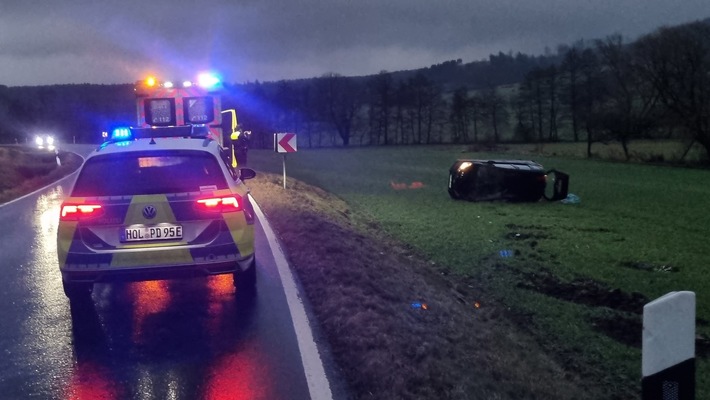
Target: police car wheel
x: 245, y: 281
x: 77, y: 290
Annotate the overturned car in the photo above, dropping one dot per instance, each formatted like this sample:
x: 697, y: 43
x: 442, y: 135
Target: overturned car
x: 507, y: 180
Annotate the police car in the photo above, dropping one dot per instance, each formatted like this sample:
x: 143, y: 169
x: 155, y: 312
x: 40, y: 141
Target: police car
x: 156, y: 203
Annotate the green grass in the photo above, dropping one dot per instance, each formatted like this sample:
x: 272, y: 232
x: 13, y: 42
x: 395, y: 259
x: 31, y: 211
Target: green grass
x: 634, y: 223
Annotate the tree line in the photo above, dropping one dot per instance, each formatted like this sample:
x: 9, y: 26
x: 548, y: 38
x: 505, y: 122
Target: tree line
x: 657, y: 86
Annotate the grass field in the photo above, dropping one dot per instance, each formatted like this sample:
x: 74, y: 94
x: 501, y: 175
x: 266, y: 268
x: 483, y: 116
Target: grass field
x: 579, y: 274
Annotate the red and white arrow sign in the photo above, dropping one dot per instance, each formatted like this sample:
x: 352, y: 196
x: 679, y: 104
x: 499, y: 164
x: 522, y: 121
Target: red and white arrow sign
x: 285, y: 142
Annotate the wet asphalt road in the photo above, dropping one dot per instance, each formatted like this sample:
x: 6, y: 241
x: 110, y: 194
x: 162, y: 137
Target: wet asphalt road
x: 180, y: 339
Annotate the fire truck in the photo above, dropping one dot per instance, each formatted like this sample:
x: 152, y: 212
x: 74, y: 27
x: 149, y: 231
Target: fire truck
x: 195, y: 104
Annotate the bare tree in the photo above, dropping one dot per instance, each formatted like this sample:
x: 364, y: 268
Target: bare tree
x: 459, y: 115
x: 570, y: 85
x: 630, y: 106
x: 342, y: 101
x: 382, y: 94
x: 677, y: 62
x: 494, y: 109
x: 424, y: 102
x: 591, y: 95
x: 475, y: 112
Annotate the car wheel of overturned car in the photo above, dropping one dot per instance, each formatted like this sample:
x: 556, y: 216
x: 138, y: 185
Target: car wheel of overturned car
x: 77, y: 291
x: 245, y: 281
x: 454, y: 194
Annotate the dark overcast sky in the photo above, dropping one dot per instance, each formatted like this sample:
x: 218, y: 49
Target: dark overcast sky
x: 94, y: 41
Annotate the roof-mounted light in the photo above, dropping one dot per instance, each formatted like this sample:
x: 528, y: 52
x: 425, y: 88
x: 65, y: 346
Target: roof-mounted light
x: 121, y: 134
x: 168, y: 84
x: 208, y: 81
x: 186, y: 84
x: 150, y: 81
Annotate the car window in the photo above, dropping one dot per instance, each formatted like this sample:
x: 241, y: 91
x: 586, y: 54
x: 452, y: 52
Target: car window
x: 149, y: 173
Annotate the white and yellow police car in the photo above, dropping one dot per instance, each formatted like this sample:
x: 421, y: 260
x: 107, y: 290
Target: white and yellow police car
x: 156, y: 203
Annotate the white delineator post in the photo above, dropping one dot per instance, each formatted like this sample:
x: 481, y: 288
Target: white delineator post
x: 668, y: 354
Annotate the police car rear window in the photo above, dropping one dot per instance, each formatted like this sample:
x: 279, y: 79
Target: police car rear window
x: 149, y: 173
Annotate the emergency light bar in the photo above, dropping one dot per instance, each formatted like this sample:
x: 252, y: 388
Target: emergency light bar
x: 125, y: 134
x: 206, y: 81
x: 163, y: 132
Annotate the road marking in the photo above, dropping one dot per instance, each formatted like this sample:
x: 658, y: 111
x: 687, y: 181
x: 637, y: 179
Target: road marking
x: 83, y: 158
x: 40, y: 189
x: 318, y: 384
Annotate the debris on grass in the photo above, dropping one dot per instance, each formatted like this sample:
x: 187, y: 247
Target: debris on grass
x: 506, y: 253
x: 403, y: 185
x: 649, y: 267
x: 571, y: 199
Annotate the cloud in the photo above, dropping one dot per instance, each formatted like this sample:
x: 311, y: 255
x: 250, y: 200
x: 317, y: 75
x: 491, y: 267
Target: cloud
x: 275, y: 39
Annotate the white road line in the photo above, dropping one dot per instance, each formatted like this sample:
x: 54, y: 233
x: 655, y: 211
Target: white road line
x: 39, y: 190
x: 318, y: 384
x: 46, y: 187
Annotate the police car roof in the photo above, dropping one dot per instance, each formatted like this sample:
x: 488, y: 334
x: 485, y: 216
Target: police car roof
x: 146, y: 144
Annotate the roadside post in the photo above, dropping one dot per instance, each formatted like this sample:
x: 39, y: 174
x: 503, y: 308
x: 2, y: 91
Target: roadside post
x: 668, y: 353
x: 285, y: 143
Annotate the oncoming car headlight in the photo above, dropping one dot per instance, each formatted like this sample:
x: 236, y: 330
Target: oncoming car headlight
x: 45, y: 142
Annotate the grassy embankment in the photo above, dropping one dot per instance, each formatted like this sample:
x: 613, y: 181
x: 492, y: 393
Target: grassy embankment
x: 25, y: 169
x: 576, y: 284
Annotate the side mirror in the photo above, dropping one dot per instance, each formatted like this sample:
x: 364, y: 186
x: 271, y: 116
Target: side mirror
x: 246, y: 173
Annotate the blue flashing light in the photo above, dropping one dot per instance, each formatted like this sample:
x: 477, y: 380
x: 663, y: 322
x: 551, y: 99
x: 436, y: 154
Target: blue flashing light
x: 121, y: 134
x: 208, y: 81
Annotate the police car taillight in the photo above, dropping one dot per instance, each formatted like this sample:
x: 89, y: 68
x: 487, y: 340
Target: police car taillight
x: 221, y: 204
x: 74, y: 212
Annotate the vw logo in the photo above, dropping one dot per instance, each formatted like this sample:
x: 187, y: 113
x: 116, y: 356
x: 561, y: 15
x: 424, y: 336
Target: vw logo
x: 149, y: 212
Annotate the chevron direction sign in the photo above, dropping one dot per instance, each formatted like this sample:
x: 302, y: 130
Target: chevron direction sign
x: 285, y: 142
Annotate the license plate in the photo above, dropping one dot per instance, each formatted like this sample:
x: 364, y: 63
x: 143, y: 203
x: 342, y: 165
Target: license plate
x: 146, y: 233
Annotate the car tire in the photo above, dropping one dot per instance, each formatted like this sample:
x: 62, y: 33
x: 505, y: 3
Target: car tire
x: 245, y: 281
x: 78, y: 291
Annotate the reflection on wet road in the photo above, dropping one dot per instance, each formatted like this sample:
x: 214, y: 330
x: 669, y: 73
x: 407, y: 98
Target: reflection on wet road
x: 177, y: 339
x: 168, y: 340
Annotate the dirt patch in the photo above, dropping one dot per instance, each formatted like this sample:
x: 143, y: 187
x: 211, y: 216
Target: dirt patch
x: 702, y: 346
x: 625, y: 329
x: 583, y: 291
